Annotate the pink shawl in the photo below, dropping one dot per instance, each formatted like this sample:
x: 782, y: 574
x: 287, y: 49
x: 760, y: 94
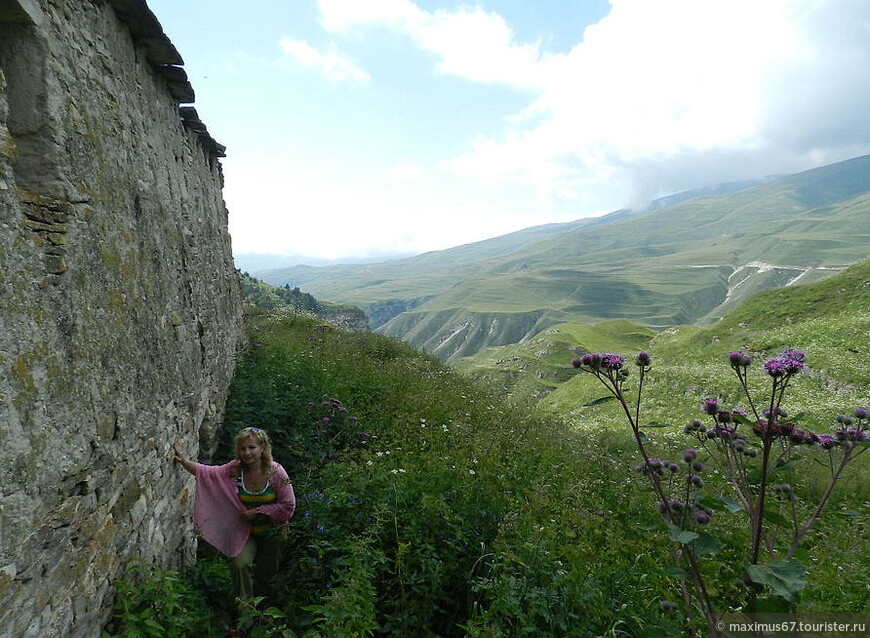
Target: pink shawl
x: 217, y: 511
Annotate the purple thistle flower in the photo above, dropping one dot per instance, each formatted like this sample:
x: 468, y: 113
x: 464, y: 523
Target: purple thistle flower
x: 739, y: 360
x: 591, y: 360
x: 711, y: 406
x: 612, y: 361
x: 861, y: 412
x: 826, y: 441
x: 576, y: 362
x: 650, y: 466
x: 702, y: 517
x: 695, y: 480
x: 845, y: 420
x: 788, y: 363
x: 643, y: 359
x: 775, y: 367
x: 797, y: 355
x: 724, y: 416
x: 690, y: 455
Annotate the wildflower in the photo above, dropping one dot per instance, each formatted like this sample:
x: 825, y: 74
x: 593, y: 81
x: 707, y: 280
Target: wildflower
x: 826, y: 441
x: 711, y: 406
x: 739, y: 359
x: 643, y: 359
x: 695, y: 480
x: 695, y: 426
x: 651, y: 465
x: 774, y: 367
x: 591, y: 360
x: 849, y: 434
x: 795, y: 355
x: 723, y: 416
x: 702, y: 518
x: 788, y: 363
x: 845, y: 420
x: 690, y: 455
x: 612, y: 361
x: 861, y: 413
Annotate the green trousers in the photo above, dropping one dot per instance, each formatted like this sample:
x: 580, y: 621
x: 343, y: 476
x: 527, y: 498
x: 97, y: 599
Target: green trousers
x: 254, y: 570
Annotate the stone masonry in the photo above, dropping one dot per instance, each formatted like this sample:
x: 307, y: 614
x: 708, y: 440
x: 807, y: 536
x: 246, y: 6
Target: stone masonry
x: 119, y: 306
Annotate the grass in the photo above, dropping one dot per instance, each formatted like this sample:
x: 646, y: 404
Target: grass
x: 442, y: 505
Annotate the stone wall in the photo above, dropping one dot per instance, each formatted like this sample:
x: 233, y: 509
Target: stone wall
x: 119, y: 306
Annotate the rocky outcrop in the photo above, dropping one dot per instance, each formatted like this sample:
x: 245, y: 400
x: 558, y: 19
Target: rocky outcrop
x: 119, y: 306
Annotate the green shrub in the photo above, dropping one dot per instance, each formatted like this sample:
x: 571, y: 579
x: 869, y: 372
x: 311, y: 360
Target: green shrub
x: 154, y: 603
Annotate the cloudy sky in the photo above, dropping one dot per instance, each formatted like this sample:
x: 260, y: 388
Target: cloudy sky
x: 359, y: 128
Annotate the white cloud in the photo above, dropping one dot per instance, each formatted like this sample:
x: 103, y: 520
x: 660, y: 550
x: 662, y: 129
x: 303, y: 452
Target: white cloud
x: 671, y: 81
x: 332, y: 64
x: 470, y: 43
x: 653, y: 89
x: 407, y: 172
x: 341, y: 16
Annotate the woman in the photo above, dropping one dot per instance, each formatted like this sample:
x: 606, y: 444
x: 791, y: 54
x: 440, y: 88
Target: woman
x: 240, y: 508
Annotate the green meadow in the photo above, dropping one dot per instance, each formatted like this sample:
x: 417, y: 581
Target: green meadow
x: 499, y: 496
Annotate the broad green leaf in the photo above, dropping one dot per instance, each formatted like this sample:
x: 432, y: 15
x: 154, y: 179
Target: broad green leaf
x: 705, y: 544
x: 680, y: 535
x: 731, y: 504
x: 784, y: 578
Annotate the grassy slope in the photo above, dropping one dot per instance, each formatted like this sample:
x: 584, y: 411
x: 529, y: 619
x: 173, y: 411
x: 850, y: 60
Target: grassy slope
x: 829, y: 319
x: 676, y: 265
x: 460, y: 513
x: 669, y: 267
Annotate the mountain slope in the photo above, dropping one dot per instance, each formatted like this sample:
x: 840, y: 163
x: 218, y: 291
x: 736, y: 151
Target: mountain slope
x: 686, y: 263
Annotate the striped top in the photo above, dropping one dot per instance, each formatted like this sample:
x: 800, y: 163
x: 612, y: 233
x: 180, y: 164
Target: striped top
x: 261, y: 524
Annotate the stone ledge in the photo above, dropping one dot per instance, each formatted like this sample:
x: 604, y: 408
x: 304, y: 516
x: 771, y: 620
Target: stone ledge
x: 162, y: 54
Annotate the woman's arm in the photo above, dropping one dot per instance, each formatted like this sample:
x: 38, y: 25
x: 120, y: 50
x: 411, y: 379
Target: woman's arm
x: 178, y: 457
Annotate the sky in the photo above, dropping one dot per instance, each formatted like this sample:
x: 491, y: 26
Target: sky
x: 377, y: 128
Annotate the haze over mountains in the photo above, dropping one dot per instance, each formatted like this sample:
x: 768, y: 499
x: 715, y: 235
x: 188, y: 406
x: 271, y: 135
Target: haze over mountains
x: 689, y: 261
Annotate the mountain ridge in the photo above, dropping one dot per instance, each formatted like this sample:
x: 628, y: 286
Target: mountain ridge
x: 685, y: 263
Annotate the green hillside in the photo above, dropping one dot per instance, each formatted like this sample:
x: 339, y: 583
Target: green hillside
x: 432, y: 504
x: 833, y: 315
x: 830, y: 320
x: 684, y: 264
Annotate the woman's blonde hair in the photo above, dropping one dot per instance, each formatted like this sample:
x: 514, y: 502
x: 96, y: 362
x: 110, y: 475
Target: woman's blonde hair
x: 263, y: 440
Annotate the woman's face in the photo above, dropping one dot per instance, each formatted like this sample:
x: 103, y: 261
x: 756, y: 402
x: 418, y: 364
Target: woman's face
x: 249, y: 451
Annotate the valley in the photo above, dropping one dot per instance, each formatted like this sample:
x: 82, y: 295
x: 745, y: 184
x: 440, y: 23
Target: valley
x: 689, y: 262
